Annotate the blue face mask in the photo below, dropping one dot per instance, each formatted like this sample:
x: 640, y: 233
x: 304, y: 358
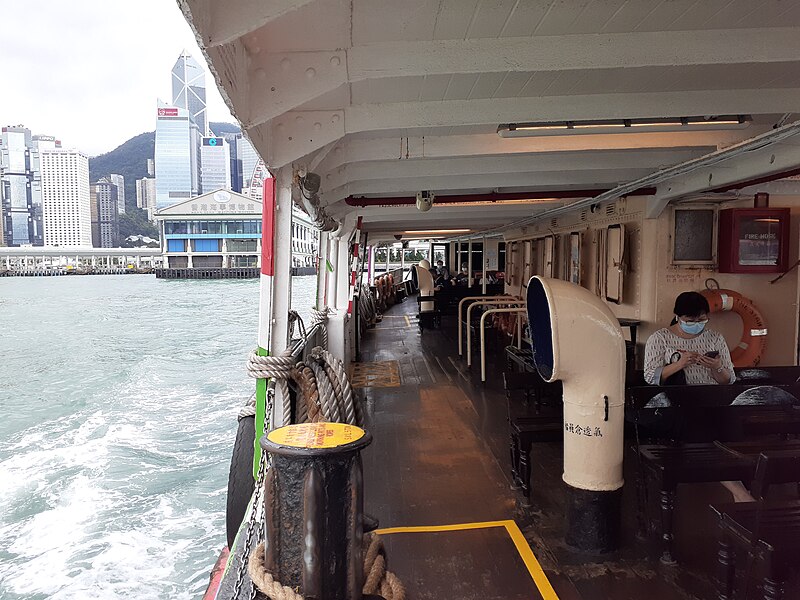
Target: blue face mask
x: 692, y: 328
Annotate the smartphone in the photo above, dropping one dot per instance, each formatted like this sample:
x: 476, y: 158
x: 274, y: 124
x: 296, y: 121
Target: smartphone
x: 712, y: 354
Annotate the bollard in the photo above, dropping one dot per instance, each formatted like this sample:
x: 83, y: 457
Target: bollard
x: 313, y: 500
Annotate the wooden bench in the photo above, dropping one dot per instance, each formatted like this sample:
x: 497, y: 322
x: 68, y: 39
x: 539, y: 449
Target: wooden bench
x: 700, y: 414
x: 535, y: 414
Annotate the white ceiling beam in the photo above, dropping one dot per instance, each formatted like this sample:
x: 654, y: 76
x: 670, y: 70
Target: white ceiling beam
x: 228, y: 20
x: 508, y: 164
x: 573, y: 52
x: 557, y: 180
x: 777, y: 158
x: 353, y: 150
x: 455, y: 113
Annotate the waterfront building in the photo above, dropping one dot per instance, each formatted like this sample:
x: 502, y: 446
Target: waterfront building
x: 222, y: 229
x: 218, y: 229
x: 151, y: 167
x: 66, y: 199
x: 119, y: 181
x: 189, y: 89
x: 215, y: 164
x: 177, y: 156
x: 21, y: 214
x: 105, y: 214
x: 146, y: 195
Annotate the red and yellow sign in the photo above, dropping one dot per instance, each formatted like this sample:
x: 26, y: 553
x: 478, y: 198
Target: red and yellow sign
x: 315, y: 435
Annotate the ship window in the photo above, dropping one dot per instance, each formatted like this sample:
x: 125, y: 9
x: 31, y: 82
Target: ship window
x: 693, y: 236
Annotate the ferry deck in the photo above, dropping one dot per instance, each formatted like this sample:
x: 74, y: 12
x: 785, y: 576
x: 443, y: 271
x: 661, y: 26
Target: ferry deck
x: 609, y: 151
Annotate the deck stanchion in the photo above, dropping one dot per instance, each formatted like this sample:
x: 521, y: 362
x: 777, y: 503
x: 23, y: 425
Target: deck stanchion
x: 460, y: 305
x: 483, y: 333
x: 314, y: 536
x: 264, y: 306
x: 322, y: 271
x: 469, y: 264
x: 492, y: 302
x: 483, y: 279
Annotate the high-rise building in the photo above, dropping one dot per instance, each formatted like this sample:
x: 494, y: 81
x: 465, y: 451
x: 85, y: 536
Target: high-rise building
x: 177, y: 156
x: 249, y: 157
x: 189, y: 89
x: 119, y: 181
x: 21, y: 217
x: 105, y: 214
x: 215, y: 164
x: 146, y: 195
x: 234, y: 140
x: 65, y: 198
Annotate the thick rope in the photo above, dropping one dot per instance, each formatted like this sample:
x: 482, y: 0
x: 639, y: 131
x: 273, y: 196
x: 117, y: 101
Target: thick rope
x: 377, y: 579
x: 352, y: 410
x: 320, y: 317
x: 278, y: 368
x: 308, y: 407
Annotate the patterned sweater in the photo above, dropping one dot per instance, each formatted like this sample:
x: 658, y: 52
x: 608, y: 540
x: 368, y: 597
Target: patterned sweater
x: 663, y: 344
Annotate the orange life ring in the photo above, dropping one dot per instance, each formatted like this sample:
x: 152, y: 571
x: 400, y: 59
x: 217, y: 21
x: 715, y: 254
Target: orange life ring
x: 750, y: 349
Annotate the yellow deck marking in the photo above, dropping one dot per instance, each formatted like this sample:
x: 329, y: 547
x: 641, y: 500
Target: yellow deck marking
x: 524, y: 550
x: 408, y: 321
x: 385, y: 373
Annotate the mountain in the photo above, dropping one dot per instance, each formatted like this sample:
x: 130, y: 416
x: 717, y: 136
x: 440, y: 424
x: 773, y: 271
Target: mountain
x: 130, y: 160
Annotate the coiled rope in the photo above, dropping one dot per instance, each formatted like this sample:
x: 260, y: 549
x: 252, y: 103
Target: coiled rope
x: 377, y: 580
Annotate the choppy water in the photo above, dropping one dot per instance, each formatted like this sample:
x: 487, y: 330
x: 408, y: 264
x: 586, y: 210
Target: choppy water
x: 119, y: 398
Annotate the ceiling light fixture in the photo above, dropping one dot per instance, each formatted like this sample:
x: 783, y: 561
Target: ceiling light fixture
x: 624, y: 126
x: 435, y: 231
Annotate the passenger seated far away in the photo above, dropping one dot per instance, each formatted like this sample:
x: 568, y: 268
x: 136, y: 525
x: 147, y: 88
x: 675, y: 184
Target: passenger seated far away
x: 688, y: 353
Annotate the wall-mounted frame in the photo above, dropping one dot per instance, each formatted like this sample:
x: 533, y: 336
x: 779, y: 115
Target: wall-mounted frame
x: 574, y: 260
x: 754, y: 240
x: 615, y: 252
x: 694, y: 235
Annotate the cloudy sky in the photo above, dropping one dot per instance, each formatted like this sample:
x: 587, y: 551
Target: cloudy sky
x: 90, y: 71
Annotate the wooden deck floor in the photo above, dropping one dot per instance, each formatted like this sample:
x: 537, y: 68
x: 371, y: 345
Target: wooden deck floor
x: 440, y: 457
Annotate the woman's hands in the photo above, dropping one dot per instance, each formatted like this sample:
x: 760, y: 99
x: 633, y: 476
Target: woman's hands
x: 688, y: 358
x: 713, y: 363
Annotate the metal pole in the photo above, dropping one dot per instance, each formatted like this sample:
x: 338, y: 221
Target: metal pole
x: 371, y: 266
x: 388, y: 252
x: 483, y: 254
x: 282, y: 277
x: 483, y: 335
x: 333, y: 255
x: 265, y: 306
x: 469, y: 320
x: 469, y: 263
x: 322, y: 270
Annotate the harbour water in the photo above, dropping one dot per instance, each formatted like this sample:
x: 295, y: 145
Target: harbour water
x: 119, y: 397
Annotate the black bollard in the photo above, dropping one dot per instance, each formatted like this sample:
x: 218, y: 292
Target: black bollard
x: 314, y: 501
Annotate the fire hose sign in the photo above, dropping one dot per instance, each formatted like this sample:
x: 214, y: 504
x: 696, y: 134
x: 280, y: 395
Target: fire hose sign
x: 316, y: 435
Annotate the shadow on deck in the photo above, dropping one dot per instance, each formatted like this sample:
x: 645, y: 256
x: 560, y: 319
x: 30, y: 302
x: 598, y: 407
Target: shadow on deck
x: 440, y: 457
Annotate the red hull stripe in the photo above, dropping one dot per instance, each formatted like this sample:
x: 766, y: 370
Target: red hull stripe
x: 268, y: 228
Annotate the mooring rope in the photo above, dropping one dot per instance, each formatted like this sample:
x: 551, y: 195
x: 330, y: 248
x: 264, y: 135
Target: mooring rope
x: 377, y: 579
x: 320, y: 317
x: 278, y: 368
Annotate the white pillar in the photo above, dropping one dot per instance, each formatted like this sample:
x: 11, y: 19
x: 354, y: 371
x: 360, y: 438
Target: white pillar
x: 455, y: 268
x: 322, y: 271
x: 331, y: 278
x: 388, y: 253
x: 402, y: 262
x: 371, y: 265
x: 483, y: 254
x: 282, y: 280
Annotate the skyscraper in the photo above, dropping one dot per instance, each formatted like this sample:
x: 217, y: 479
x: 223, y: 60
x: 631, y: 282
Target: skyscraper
x: 21, y: 186
x: 215, y: 164
x: 119, y: 181
x: 234, y: 140
x: 249, y: 157
x: 65, y: 198
x: 105, y: 221
x: 177, y: 155
x: 146, y: 195
x: 189, y: 89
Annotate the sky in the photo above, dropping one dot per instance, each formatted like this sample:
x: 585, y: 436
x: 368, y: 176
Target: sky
x: 89, y: 72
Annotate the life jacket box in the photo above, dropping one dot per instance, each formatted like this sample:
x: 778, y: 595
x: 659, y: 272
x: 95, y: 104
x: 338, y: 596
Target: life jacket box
x: 753, y: 240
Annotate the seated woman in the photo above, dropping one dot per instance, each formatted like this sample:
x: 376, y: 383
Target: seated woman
x: 687, y: 348
x: 700, y: 355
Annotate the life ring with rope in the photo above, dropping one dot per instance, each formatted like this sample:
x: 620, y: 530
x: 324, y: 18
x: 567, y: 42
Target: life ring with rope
x: 750, y: 349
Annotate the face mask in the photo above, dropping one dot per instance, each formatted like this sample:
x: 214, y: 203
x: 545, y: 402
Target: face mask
x: 692, y: 328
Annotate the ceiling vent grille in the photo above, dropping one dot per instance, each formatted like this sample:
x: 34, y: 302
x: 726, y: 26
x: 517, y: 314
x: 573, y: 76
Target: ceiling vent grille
x: 554, y: 223
x: 584, y: 215
x: 611, y: 209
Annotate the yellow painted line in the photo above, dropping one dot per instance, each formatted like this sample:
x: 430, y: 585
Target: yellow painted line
x: 408, y: 321
x: 524, y: 550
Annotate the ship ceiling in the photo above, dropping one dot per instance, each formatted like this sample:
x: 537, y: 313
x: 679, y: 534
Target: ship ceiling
x: 388, y: 98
